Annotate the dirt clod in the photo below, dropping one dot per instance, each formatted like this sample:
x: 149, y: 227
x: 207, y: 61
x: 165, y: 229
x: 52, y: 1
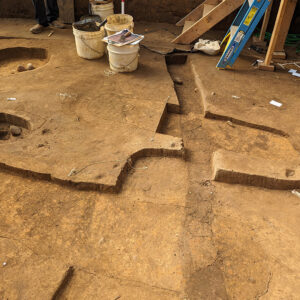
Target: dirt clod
x: 289, y: 173
x: 45, y: 131
x: 178, y: 80
x: 15, y: 130
x: 21, y: 69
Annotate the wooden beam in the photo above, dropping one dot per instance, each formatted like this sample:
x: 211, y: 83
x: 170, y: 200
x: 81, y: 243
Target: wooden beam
x: 279, y: 20
x: 285, y: 26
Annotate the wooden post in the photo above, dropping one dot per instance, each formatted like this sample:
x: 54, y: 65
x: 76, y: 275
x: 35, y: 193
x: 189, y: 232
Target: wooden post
x: 284, y: 30
x: 266, y: 65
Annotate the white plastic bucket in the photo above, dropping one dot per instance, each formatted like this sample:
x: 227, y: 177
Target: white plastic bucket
x: 118, y: 22
x: 89, y: 45
x: 103, y: 10
x: 123, y: 59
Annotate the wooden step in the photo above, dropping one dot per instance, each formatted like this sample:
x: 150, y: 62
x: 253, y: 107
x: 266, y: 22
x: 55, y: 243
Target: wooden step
x: 205, y: 16
x: 197, y: 13
x: 207, y: 8
x: 187, y: 25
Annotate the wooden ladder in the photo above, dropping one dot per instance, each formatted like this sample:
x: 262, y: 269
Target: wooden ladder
x: 204, y: 17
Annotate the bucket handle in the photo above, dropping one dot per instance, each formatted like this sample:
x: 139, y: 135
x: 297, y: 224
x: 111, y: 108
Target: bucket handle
x: 125, y: 67
x: 90, y: 47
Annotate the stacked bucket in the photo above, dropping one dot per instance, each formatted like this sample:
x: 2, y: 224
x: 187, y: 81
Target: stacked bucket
x: 89, y: 43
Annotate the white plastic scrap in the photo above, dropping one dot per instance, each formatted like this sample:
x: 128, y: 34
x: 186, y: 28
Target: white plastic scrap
x: 275, y: 103
x: 72, y: 172
x: 294, y: 72
x: 295, y: 192
x: 236, y: 97
x: 4, y: 264
x: 208, y: 47
x: 11, y: 99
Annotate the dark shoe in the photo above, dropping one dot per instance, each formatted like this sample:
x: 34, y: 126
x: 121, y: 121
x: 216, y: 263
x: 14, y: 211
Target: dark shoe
x: 57, y: 24
x: 37, y: 29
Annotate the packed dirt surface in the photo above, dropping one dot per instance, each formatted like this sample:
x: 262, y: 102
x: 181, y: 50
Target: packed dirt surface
x: 88, y: 124
x: 170, y: 232
x: 243, y: 95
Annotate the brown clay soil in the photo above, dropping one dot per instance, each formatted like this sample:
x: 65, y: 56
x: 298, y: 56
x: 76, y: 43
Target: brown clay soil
x: 170, y: 232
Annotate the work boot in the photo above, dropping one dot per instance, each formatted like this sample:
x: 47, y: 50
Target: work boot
x: 37, y: 29
x: 57, y: 24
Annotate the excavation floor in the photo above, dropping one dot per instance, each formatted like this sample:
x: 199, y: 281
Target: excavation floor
x: 87, y: 124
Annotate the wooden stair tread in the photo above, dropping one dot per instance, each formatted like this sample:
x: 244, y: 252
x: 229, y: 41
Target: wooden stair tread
x: 207, y: 8
x: 204, y: 17
x: 187, y: 25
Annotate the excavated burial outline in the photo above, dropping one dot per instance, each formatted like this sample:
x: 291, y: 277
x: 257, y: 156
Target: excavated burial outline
x: 13, y: 119
x: 18, y: 53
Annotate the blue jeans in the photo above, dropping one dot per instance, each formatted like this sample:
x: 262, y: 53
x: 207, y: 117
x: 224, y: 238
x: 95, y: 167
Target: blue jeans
x: 43, y: 16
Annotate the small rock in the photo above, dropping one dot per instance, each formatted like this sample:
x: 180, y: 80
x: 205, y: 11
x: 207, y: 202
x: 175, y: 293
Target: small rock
x: 178, y: 80
x: 289, y: 173
x: 230, y: 124
x: 21, y: 69
x: 15, y: 130
x: 41, y: 145
x: 30, y: 67
x: 195, y: 90
x: 45, y: 131
x: 213, y: 93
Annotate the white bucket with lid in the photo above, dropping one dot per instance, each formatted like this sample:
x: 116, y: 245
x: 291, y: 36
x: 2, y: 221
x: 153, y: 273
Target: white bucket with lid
x: 89, y: 45
x: 102, y: 10
x: 123, y: 59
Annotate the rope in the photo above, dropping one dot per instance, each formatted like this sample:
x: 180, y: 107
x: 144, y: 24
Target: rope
x: 124, y: 67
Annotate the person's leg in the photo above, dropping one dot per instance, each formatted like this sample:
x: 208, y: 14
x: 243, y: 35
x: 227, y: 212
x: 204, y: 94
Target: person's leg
x: 52, y: 10
x: 53, y: 14
x: 40, y: 12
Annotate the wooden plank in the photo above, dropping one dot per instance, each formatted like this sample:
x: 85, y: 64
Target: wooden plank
x: 207, y: 22
x: 279, y: 20
x: 66, y: 11
x: 265, y: 22
x: 285, y: 26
